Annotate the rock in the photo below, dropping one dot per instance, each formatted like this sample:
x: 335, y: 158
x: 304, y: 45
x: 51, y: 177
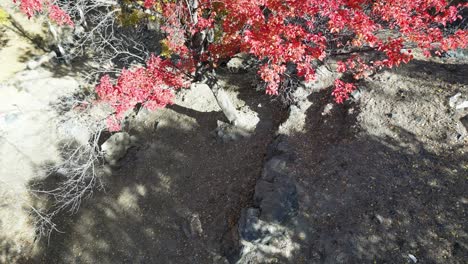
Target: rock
x: 356, y: 95
x: 324, y: 78
x: 382, y: 220
x: 193, y: 227
x: 31, y: 75
x: 296, y: 121
x: 327, y: 109
x: 277, y: 199
x: 275, y: 192
x: 258, y: 237
x: 248, y: 223
x: 220, y: 133
x: 30, y: 143
x: 116, y: 147
x: 8, y: 118
x: 263, y: 229
x: 41, y: 60
x: 200, y: 98
x: 196, y: 229
x: 301, y: 94
x: 413, y: 258
x: 47, y: 89
x: 273, y: 168
x: 462, y: 105
x: 453, y: 100
x: 247, y: 120
x: 238, y: 63
x: 228, y: 132
x: 279, y: 147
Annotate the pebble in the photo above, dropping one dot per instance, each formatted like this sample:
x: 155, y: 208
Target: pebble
x: 453, y: 100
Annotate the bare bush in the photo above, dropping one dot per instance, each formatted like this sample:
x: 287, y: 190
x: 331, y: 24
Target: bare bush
x: 76, y: 176
x: 102, y: 37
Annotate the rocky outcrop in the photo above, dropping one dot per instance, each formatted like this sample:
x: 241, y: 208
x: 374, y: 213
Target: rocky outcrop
x: 263, y: 231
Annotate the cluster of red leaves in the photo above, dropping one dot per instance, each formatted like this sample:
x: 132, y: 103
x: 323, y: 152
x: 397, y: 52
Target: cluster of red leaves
x: 55, y: 13
x: 59, y: 16
x: 298, y: 32
x: 30, y: 7
x: 342, y: 91
x: 287, y: 32
x: 151, y: 86
x: 149, y: 3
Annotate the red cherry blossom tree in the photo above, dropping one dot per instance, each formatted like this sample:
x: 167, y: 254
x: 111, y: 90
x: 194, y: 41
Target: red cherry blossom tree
x: 289, y: 38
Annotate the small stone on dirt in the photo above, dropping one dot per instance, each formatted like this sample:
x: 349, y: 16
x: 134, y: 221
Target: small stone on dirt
x: 327, y: 109
x: 195, y: 226
x: 453, y: 100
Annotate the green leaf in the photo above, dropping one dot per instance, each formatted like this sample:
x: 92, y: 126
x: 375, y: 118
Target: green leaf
x: 4, y: 17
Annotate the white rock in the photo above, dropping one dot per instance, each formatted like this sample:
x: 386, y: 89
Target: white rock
x: 462, y: 105
x: 324, y: 78
x: 327, y: 109
x: 453, y: 100
x: 200, y: 98
x: 236, y: 64
x: 116, y: 147
x: 43, y: 59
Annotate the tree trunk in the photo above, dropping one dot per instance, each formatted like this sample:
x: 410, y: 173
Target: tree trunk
x: 204, y: 70
x: 223, y: 99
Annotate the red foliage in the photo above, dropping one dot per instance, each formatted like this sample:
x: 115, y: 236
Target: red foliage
x: 30, y: 7
x: 149, y: 3
x: 285, y: 32
x: 150, y: 86
x: 56, y: 14
x: 59, y: 16
x: 299, y: 32
x: 342, y: 91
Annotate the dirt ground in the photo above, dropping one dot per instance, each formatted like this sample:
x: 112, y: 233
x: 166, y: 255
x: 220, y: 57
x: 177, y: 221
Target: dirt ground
x: 380, y: 179
x: 15, y: 48
x: 25, y: 132
x: 384, y: 179
x: 176, y: 197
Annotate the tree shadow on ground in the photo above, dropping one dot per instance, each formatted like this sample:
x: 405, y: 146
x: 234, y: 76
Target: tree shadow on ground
x: 175, y: 198
x: 78, y: 67
x: 424, y: 70
x: 243, y: 82
x: 202, y: 118
x: 3, y: 39
x: 365, y: 198
x: 362, y: 198
x: 86, y: 65
x: 137, y: 219
x: 35, y: 38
